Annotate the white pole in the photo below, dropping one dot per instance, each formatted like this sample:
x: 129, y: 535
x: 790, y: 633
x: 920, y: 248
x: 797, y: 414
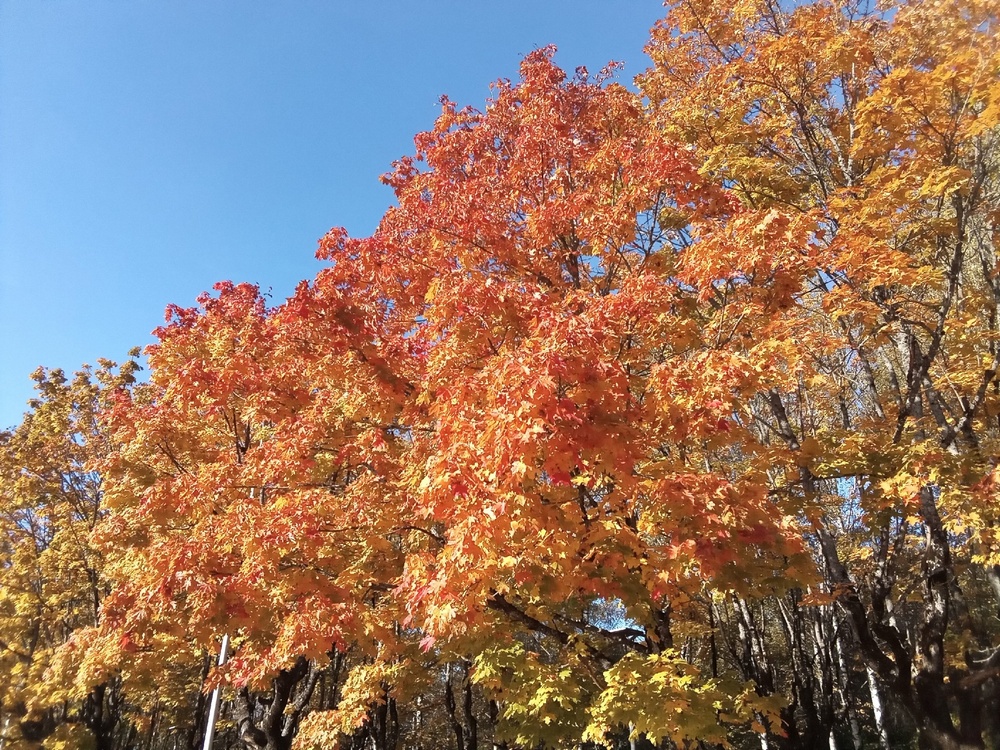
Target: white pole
x: 213, y: 709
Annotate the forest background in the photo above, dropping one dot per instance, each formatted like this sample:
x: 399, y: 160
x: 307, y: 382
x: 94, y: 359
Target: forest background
x: 665, y: 420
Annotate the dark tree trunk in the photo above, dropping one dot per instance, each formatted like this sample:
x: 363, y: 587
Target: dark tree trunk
x: 261, y: 720
x: 472, y: 729
x: 449, y: 702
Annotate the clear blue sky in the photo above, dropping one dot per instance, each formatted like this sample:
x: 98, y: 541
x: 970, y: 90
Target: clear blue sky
x: 151, y: 148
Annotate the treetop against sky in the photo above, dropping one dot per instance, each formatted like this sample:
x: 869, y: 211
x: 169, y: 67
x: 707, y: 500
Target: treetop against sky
x: 664, y: 417
x: 150, y: 149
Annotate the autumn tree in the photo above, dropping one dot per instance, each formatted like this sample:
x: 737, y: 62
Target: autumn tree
x: 249, y: 499
x: 875, y: 128
x: 51, y: 576
x: 560, y: 414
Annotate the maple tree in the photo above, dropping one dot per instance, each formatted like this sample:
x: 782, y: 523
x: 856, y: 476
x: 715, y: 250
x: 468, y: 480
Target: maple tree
x: 51, y: 579
x: 202, y: 538
x: 659, y: 420
x: 566, y: 401
x: 876, y: 127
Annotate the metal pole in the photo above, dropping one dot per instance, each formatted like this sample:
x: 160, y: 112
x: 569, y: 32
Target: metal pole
x: 213, y: 709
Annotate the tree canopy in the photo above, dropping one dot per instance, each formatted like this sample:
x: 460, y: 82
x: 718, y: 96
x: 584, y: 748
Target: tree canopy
x: 665, y: 418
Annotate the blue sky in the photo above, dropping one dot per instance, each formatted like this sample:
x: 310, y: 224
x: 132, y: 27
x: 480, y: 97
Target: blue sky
x: 151, y: 148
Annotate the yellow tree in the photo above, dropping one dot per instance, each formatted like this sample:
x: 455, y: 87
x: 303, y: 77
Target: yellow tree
x: 876, y: 128
x: 51, y: 580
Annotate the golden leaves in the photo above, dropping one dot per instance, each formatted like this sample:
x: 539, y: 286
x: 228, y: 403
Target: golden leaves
x: 663, y: 696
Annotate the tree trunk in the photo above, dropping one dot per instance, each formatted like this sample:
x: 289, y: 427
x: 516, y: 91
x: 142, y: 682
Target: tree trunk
x: 449, y: 702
